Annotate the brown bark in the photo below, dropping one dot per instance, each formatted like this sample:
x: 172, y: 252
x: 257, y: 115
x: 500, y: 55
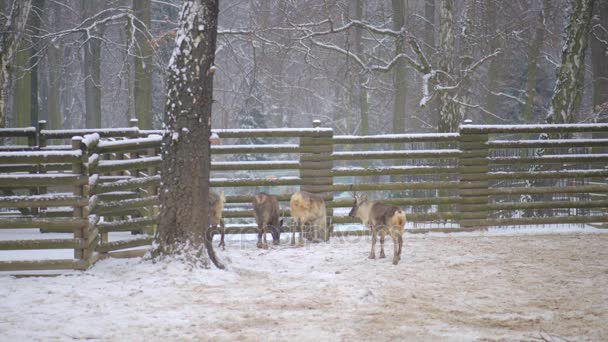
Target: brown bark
x: 184, y: 218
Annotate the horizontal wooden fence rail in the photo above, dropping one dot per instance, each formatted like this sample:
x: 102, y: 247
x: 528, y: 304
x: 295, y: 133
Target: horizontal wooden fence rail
x: 105, y: 183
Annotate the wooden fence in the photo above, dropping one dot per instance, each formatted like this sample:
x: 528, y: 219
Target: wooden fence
x: 105, y: 182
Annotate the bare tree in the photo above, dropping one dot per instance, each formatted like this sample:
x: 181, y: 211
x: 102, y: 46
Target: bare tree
x: 567, y: 96
x: 186, y: 155
x: 12, y: 31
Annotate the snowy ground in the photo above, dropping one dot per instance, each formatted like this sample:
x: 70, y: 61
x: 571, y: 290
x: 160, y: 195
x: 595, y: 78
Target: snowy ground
x: 461, y: 286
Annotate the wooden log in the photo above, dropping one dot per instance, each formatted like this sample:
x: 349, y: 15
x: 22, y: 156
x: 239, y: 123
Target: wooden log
x: 538, y: 220
x: 34, y: 180
x: 539, y: 205
x: 222, y: 182
x: 117, y: 245
x: 39, y: 157
x: 127, y: 204
x: 405, y: 154
x: 564, y: 158
x: 395, y: 138
x: 42, y: 201
x: 394, y: 170
x: 17, y: 132
x: 537, y: 190
x: 256, y: 165
x: 14, y: 168
x: 273, y: 132
x: 106, y: 166
x: 43, y: 223
x: 126, y: 184
x: 103, y: 132
x: 539, y: 175
x: 396, y: 186
x: 549, y: 143
x: 40, y: 244
x: 129, y: 145
x: 511, y: 129
x: 135, y: 253
x: 133, y: 224
x: 36, y: 265
x: 403, y: 201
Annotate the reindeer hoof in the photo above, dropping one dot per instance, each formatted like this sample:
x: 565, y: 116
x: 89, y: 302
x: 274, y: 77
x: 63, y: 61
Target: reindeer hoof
x: 395, y: 261
x: 276, y: 242
x: 259, y: 245
x: 293, y: 243
x: 372, y: 256
x: 265, y: 245
x: 382, y: 255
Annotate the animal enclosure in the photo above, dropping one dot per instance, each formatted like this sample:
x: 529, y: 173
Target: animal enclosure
x: 106, y: 181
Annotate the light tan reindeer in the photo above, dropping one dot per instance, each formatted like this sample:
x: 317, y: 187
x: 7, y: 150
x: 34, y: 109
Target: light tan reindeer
x: 216, y: 206
x: 381, y: 219
x: 267, y: 215
x: 308, y: 209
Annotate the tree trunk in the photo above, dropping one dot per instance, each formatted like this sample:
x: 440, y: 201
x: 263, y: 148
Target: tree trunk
x: 429, y: 25
x: 491, y: 102
x: 449, y: 117
x: 567, y: 97
x: 533, y: 55
x: 35, y: 22
x: 92, y: 70
x: 184, y: 219
x: 361, y: 91
x: 599, y: 56
x: 143, y: 67
x: 12, y: 32
x: 400, y: 77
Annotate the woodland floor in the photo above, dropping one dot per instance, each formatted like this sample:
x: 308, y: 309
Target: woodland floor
x: 447, y: 287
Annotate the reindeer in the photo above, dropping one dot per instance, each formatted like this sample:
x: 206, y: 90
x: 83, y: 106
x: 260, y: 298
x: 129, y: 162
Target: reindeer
x: 381, y: 219
x: 307, y: 208
x: 267, y: 214
x: 216, y: 206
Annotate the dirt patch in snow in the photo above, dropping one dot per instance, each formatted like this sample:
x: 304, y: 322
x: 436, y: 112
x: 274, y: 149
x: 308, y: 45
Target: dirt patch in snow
x: 452, y: 287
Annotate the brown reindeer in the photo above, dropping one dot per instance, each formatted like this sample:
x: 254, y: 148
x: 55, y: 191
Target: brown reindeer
x: 307, y: 209
x: 216, y: 206
x: 267, y: 215
x: 381, y: 219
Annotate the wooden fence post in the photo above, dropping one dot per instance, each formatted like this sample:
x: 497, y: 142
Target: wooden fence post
x: 84, y: 252
x: 41, y: 144
x: 473, y: 165
x: 316, y: 169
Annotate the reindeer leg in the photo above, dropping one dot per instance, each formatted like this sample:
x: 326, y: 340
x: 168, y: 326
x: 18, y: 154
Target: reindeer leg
x: 398, y: 244
x: 260, y: 232
x: 293, y: 232
x: 301, y: 239
x: 223, y: 229
x: 382, y: 235
x: 264, y: 244
x: 372, y: 254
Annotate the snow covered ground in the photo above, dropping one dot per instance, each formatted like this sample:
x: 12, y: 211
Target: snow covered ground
x: 461, y: 286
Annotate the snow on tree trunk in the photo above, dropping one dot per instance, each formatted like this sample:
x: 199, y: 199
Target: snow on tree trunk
x: 567, y: 95
x: 400, y: 77
x: 9, y: 39
x: 449, y: 117
x: 186, y: 158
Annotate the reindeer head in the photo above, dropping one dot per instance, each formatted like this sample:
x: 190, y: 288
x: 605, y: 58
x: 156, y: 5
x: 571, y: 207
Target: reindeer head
x: 357, y: 202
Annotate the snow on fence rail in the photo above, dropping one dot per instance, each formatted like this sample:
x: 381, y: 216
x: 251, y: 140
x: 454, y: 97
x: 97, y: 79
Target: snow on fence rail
x: 482, y: 176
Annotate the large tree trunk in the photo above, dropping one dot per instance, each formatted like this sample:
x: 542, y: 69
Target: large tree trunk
x: 9, y: 39
x: 491, y: 101
x: 449, y: 117
x: 184, y: 218
x: 599, y: 55
x: 361, y: 91
x: 400, y: 77
x: 143, y: 66
x: 92, y: 69
x: 534, y: 49
x: 567, y: 97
